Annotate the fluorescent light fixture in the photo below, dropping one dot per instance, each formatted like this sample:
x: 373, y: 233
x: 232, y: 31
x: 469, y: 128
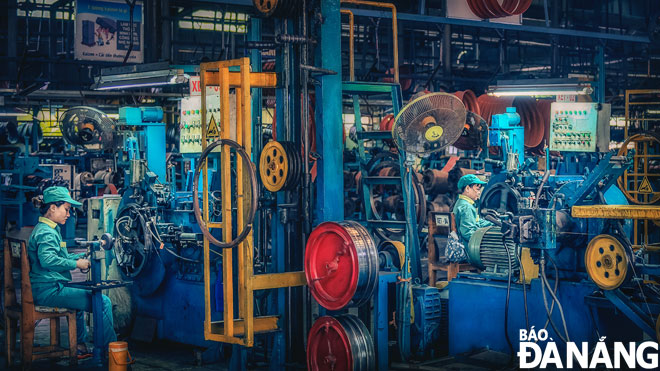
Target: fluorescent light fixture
x: 540, y: 88
x: 12, y: 112
x: 139, y: 76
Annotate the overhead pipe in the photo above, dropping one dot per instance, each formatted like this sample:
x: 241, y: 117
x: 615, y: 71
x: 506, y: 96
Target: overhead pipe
x: 395, y: 38
x: 351, y: 42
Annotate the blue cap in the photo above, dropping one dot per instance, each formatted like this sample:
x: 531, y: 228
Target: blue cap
x: 469, y: 179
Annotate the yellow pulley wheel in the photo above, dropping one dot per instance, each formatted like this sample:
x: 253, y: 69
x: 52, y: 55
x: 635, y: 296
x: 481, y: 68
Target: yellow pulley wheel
x: 274, y: 166
x: 606, y: 262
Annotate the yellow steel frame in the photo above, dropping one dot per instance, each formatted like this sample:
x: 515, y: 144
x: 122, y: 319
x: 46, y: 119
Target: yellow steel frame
x: 640, y: 226
x: 233, y: 330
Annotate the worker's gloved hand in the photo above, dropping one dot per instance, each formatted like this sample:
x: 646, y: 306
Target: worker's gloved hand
x: 82, y: 264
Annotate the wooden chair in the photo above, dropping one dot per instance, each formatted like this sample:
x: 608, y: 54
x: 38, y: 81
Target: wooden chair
x: 442, y: 223
x: 27, y: 314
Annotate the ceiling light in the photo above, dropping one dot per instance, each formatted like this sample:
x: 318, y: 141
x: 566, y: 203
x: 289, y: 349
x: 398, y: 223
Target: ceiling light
x: 538, y: 88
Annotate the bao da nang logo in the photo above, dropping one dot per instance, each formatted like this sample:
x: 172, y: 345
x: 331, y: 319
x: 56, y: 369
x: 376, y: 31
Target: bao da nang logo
x: 627, y: 355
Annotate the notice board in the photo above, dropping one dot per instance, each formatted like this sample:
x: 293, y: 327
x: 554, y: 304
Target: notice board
x: 103, y: 31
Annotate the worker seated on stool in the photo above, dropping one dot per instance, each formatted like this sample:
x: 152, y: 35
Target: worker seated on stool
x: 51, y: 263
x: 465, y: 212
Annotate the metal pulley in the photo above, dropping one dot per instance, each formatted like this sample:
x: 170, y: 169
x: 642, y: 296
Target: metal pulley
x: 390, y: 255
x: 341, y: 264
x: 606, y: 261
x: 277, y: 8
x: 340, y: 343
x: 280, y: 166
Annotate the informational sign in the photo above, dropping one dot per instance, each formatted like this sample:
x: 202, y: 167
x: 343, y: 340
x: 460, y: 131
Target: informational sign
x: 103, y: 31
x: 645, y: 187
x: 195, y: 86
x: 213, y: 131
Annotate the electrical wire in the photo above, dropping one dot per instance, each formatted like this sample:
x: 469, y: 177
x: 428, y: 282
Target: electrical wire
x: 559, y: 306
x: 545, y: 303
x: 506, y: 305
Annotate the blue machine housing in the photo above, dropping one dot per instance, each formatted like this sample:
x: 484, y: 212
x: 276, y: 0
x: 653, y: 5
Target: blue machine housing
x: 546, y: 227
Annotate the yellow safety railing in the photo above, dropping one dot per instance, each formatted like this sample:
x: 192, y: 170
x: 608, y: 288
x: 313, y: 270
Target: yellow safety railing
x: 233, y: 330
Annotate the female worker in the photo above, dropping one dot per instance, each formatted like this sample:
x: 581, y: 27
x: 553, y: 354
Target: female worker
x: 465, y: 212
x: 50, y: 266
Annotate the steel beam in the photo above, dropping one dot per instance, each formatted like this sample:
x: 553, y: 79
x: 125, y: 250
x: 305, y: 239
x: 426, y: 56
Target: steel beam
x: 502, y: 26
x: 616, y: 211
x: 631, y: 310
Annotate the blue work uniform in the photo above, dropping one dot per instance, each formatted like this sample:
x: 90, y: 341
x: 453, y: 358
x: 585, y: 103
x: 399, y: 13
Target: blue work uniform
x: 467, y: 219
x: 50, y: 266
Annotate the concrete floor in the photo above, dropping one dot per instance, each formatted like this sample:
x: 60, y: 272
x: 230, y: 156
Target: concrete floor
x: 169, y: 356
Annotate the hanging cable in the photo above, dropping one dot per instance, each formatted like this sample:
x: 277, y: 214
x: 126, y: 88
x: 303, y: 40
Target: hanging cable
x: 559, y: 306
x: 545, y: 301
x: 506, y: 305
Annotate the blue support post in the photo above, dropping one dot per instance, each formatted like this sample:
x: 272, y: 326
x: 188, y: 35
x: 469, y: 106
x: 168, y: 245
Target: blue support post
x: 156, y: 153
x: 600, y: 61
x: 380, y: 311
x: 329, y: 118
x: 97, y: 310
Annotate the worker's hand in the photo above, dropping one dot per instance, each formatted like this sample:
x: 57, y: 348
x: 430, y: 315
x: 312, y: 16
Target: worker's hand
x: 82, y: 264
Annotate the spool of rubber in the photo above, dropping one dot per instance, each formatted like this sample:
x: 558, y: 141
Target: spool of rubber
x: 469, y: 99
x: 436, y: 181
x: 341, y: 264
x: 340, y: 343
x: 118, y: 356
x: 8, y: 133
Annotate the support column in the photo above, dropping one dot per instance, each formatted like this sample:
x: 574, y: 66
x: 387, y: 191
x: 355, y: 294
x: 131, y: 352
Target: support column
x: 11, y: 39
x: 330, y: 189
x: 166, y: 30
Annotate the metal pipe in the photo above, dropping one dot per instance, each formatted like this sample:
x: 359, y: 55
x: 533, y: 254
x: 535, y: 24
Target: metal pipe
x: 351, y: 42
x: 395, y: 31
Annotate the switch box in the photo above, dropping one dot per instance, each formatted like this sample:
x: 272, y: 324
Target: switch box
x: 579, y: 127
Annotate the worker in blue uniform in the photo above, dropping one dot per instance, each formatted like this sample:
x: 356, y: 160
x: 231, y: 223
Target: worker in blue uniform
x: 51, y: 263
x: 465, y: 211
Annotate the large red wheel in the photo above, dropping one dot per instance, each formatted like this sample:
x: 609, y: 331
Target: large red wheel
x: 338, y: 344
x: 341, y: 264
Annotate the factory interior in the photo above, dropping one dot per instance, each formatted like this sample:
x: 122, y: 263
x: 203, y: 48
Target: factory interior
x: 330, y: 184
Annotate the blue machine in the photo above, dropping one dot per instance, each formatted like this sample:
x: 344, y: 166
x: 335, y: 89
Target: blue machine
x: 532, y: 210
x: 507, y: 132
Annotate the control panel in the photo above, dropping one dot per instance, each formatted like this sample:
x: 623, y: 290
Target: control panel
x: 574, y: 127
x: 190, y: 138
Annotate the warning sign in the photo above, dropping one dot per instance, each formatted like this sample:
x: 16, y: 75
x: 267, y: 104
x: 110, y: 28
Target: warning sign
x: 213, y: 131
x: 645, y: 187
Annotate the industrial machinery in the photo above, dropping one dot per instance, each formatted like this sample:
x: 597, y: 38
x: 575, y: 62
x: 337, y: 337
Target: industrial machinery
x: 541, y: 226
x: 342, y: 263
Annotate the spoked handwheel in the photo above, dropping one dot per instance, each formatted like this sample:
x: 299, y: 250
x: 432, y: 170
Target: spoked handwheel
x: 247, y: 166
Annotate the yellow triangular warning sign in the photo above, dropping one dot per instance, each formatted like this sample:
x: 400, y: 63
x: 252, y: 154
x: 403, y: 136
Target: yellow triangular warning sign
x: 212, y: 131
x: 645, y: 187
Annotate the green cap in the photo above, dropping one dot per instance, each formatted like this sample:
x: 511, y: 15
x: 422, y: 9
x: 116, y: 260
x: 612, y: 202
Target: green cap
x: 469, y: 179
x: 54, y: 194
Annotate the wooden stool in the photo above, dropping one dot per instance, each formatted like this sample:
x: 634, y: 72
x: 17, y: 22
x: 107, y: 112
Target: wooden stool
x: 27, y: 314
x: 441, y: 223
